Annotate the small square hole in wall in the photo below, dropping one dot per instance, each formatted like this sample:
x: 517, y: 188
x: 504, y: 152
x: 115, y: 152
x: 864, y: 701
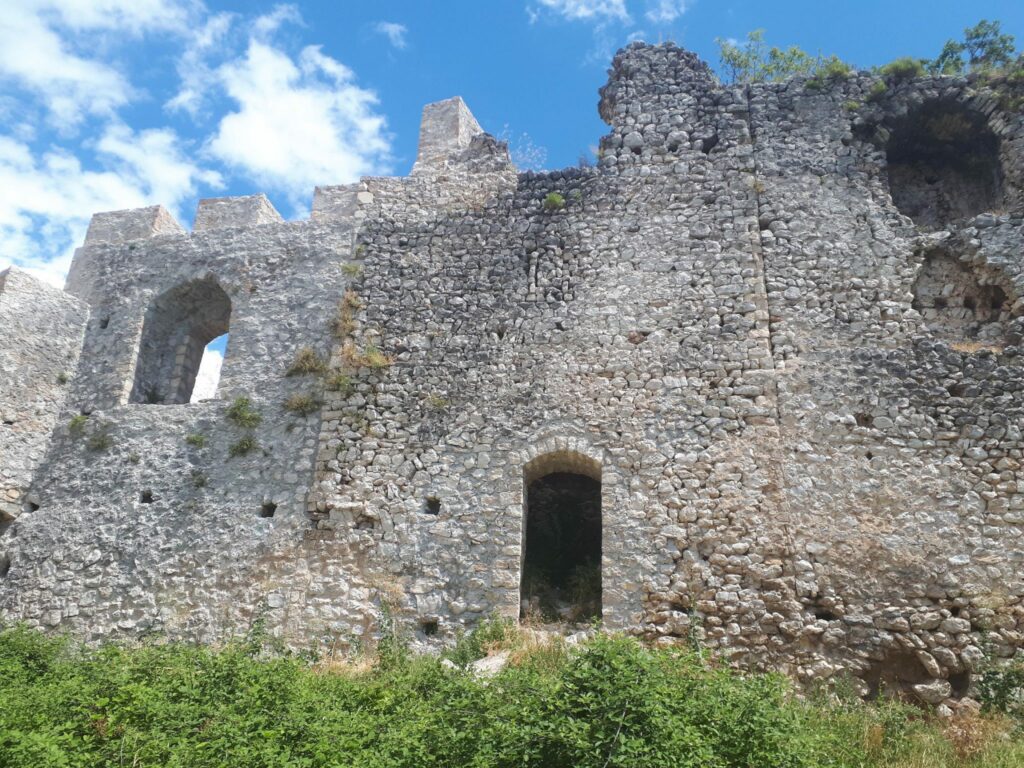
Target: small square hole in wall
x: 104, y: 322
x: 428, y: 627
x: 268, y: 509
x: 433, y: 505
x: 146, y: 497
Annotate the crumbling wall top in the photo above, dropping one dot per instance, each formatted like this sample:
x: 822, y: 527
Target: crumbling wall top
x: 642, y: 70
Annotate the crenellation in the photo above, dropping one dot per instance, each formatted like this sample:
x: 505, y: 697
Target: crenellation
x: 133, y: 224
x: 224, y: 212
x: 771, y: 360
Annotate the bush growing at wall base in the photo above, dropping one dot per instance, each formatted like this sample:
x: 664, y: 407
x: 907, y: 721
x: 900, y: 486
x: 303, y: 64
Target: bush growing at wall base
x: 611, y: 702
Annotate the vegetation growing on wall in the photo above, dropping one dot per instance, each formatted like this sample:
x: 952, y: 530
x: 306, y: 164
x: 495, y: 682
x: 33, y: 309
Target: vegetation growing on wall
x: 984, y: 49
x: 609, y: 702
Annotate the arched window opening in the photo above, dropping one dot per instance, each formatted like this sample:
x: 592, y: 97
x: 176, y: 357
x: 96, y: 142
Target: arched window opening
x: 561, y: 574
x: 178, y: 327
x: 956, y: 304
x: 208, y: 377
x: 943, y: 164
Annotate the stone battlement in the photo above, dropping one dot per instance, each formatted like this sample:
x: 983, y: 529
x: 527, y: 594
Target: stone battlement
x: 757, y: 375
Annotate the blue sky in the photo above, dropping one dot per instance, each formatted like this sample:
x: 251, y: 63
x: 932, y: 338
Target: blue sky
x: 111, y: 104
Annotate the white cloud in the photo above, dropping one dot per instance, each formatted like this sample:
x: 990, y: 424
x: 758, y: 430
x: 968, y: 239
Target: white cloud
x: 71, y: 84
x: 194, y: 70
x: 665, y: 11
x: 208, y: 377
x: 588, y: 10
x: 395, y: 33
x: 300, y: 122
x: 46, y: 201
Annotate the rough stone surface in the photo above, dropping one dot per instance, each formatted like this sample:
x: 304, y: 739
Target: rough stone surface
x: 804, y: 402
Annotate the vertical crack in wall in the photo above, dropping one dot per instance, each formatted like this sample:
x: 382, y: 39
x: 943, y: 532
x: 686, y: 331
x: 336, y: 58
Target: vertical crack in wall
x: 774, y: 466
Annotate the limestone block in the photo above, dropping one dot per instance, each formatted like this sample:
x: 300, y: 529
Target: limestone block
x: 227, y: 212
x: 131, y: 224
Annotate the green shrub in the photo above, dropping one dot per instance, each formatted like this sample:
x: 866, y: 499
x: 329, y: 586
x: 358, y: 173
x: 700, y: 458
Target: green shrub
x: 554, y: 202
x: 610, y: 702
x: 1002, y: 690
x: 243, y: 446
x: 242, y: 414
x: 77, y: 424
x: 877, y: 91
x: 474, y: 645
x: 905, y: 68
x: 196, y: 440
x: 306, y: 362
x: 351, y: 270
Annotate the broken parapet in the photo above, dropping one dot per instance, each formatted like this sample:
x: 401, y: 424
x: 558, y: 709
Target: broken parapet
x: 43, y: 328
x: 446, y: 129
x: 227, y: 212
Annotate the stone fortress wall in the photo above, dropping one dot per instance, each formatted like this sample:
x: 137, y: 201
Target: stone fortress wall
x: 780, y: 324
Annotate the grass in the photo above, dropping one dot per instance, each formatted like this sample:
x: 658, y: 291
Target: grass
x: 607, y: 702
x: 302, y: 404
x: 242, y: 414
x: 306, y: 362
x: 243, y: 446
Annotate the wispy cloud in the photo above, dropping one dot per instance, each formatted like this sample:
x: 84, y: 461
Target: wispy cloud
x: 586, y: 10
x: 665, y: 11
x: 395, y: 33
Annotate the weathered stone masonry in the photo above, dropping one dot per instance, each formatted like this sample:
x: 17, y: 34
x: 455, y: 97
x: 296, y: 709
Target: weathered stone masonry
x: 803, y: 400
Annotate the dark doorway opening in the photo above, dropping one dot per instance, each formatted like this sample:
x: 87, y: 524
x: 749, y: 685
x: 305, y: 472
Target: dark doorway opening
x: 944, y: 164
x: 562, y: 548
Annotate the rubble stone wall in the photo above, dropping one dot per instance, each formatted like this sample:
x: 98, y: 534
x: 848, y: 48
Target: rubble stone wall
x: 803, y: 401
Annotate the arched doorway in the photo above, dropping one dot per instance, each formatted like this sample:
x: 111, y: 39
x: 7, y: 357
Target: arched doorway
x: 178, y: 326
x: 561, y: 548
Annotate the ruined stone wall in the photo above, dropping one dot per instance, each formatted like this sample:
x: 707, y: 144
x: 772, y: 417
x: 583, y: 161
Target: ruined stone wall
x: 39, y: 344
x: 801, y: 398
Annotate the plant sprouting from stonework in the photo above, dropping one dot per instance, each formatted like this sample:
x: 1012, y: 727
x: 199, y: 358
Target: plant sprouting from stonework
x: 367, y: 357
x: 341, y: 383
x: 554, y: 201
x: 77, y: 424
x: 754, y: 62
x: 351, y: 270
x: 306, y: 362
x: 243, y: 446
x: 436, y: 401
x: 344, y: 324
x: 242, y: 414
x: 302, y: 404
x: 196, y: 440
x: 100, y: 441
x: 905, y: 68
x: 985, y: 47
